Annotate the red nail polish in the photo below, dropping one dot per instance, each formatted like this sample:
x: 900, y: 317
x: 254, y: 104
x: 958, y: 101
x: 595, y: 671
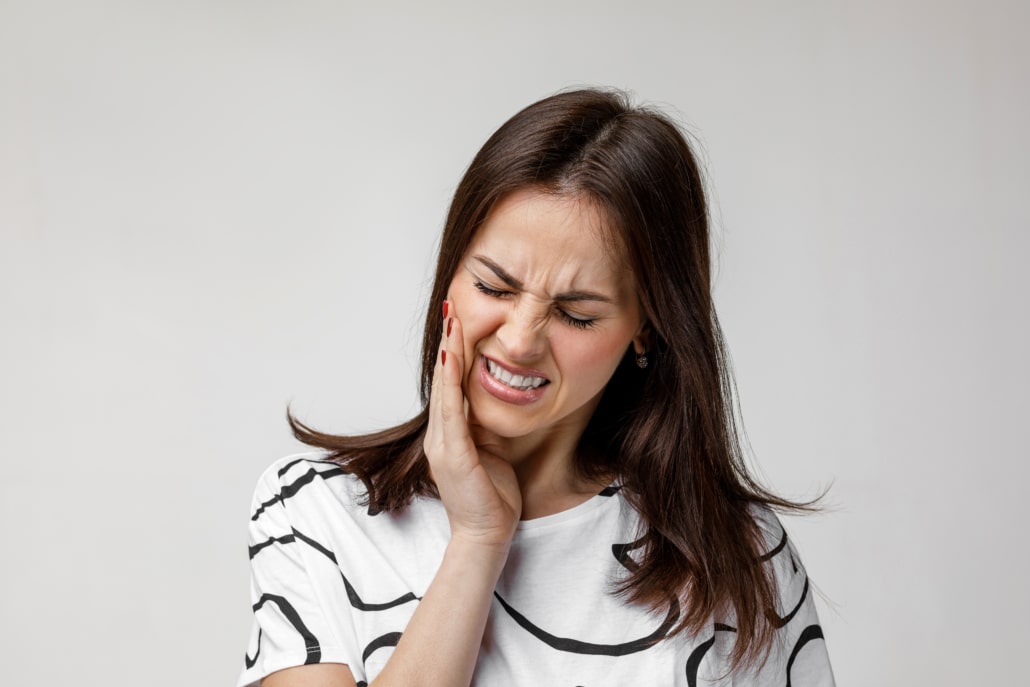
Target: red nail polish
x: 450, y: 321
x: 443, y: 357
x: 445, y: 308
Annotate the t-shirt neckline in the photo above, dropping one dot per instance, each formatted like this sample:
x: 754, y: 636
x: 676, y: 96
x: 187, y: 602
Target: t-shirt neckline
x: 569, y: 515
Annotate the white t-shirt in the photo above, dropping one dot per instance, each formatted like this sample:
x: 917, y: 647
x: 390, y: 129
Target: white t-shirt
x: 334, y: 583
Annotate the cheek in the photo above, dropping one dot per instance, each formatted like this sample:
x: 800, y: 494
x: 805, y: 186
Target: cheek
x: 588, y: 357
x: 479, y: 316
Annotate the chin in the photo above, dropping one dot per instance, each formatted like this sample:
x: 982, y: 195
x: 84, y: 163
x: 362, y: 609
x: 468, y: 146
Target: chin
x: 501, y: 422
x: 501, y: 428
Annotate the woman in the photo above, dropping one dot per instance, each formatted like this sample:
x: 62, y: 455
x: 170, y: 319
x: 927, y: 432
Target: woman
x: 570, y: 508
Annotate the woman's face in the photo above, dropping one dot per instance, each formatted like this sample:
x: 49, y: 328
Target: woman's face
x: 548, y: 310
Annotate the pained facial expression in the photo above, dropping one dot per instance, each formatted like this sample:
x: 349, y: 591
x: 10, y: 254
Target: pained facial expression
x: 548, y: 311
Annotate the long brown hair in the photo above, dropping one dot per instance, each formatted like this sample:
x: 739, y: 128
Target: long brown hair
x: 667, y: 432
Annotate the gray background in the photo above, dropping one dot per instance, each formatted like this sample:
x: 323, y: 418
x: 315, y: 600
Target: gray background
x: 210, y: 209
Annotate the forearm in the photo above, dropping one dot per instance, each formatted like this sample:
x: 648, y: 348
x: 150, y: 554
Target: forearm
x: 441, y: 643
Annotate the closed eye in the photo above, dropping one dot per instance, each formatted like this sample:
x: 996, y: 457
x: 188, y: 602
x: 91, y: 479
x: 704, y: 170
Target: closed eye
x: 567, y: 318
x: 490, y: 291
x: 581, y: 323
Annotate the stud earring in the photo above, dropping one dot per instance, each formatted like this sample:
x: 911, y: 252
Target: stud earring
x: 641, y: 361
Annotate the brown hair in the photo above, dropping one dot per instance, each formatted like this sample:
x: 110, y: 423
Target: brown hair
x: 667, y: 432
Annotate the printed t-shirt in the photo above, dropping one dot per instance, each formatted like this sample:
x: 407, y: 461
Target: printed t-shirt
x: 333, y: 582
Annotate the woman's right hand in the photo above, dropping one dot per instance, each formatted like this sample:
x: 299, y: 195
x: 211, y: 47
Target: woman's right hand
x: 479, y: 489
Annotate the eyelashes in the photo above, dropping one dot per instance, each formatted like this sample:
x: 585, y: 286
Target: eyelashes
x: 562, y: 315
x: 490, y: 291
x: 574, y: 321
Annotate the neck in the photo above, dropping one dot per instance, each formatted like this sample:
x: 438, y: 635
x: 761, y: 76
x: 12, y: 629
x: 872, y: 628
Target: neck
x: 544, y: 466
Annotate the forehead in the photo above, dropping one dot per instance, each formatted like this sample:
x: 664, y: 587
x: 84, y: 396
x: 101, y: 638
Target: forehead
x: 538, y: 229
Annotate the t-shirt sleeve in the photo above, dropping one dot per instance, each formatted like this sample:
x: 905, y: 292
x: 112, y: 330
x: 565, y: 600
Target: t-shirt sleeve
x: 798, y: 656
x: 294, y: 579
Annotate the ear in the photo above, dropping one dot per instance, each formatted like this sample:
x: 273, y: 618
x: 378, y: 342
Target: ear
x: 642, y: 341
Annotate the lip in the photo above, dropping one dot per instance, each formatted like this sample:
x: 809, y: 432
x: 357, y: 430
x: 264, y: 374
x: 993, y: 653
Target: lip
x: 506, y: 393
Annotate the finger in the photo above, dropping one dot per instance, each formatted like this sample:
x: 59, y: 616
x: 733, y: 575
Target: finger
x: 434, y: 426
x: 452, y: 399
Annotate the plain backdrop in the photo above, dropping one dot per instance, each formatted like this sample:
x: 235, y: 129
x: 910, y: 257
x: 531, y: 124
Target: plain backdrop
x: 212, y: 209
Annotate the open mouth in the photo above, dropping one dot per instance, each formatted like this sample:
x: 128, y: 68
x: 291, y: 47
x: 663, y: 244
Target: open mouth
x: 518, y: 385
x: 520, y: 382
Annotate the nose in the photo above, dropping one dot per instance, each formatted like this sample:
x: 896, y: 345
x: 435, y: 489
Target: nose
x: 523, y: 334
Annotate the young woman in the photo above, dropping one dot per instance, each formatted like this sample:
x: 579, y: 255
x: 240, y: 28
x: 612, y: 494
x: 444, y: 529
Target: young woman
x: 570, y: 507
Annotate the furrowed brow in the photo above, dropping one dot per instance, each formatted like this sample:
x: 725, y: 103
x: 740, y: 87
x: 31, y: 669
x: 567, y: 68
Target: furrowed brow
x: 574, y: 296
x: 500, y: 272
x: 567, y: 297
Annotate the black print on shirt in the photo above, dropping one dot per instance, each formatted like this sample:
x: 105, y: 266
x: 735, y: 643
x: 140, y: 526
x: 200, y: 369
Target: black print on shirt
x: 576, y: 646
x: 311, y: 645
x: 389, y: 639
x: 352, y: 595
x: 810, y: 633
x: 290, y: 490
x: 698, y: 654
x: 807, y: 635
x: 620, y: 551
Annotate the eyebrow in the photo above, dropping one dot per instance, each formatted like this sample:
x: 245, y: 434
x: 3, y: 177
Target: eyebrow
x: 512, y: 282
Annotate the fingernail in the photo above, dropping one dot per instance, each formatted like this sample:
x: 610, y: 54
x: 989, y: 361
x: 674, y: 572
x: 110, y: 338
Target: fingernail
x: 450, y: 321
x: 446, y: 307
x: 443, y: 357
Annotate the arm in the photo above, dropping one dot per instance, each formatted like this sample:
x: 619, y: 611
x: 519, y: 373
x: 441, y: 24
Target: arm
x: 318, y: 675
x: 481, y: 494
x: 440, y: 645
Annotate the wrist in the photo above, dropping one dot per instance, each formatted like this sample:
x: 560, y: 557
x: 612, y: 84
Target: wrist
x: 474, y: 552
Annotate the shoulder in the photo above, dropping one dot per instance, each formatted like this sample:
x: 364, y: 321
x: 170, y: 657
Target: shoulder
x: 779, y: 555
x: 306, y: 490
x: 799, y: 651
x: 287, y: 468
x: 774, y: 540
x: 303, y: 489
x: 298, y: 596
x: 290, y: 475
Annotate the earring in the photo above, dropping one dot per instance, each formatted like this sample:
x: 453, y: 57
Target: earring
x: 641, y: 361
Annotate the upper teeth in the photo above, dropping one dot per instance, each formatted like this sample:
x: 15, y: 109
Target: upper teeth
x: 517, y: 381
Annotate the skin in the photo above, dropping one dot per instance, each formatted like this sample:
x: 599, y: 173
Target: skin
x: 495, y: 462
x: 551, y: 247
